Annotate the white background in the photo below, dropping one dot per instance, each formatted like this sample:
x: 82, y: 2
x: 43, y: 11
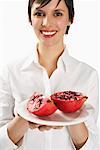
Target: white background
x: 17, y: 37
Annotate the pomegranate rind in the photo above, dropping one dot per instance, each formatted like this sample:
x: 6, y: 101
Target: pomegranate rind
x: 69, y: 105
x: 47, y: 107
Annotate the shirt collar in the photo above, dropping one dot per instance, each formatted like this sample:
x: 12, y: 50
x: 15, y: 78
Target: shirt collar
x: 65, y: 57
x: 33, y: 58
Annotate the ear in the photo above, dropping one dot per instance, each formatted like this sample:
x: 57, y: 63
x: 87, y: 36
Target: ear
x: 69, y: 23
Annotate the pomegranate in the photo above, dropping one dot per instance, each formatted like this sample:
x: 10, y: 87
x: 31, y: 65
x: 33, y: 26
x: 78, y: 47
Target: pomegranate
x: 68, y: 101
x: 41, y: 106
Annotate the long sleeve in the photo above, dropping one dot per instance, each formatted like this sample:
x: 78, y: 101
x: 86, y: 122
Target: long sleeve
x: 93, y: 140
x: 91, y: 123
x: 6, y: 111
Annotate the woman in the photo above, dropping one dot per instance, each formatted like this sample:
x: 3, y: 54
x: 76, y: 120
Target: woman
x: 47, y: 70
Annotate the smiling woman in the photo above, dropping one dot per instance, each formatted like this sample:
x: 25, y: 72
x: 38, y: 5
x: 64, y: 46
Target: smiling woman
x: 48, y: 70
x: 50, y: 26
x: 70, y: 10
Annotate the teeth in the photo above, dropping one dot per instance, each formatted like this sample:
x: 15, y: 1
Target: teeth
x: 48, y: 33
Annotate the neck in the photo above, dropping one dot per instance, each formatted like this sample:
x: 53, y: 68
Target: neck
x: 50, y: 54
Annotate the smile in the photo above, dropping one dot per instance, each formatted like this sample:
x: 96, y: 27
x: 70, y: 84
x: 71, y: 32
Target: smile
x: 48, y: 34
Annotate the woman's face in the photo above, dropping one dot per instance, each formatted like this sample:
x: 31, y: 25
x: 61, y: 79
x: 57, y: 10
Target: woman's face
x: 50, y: 22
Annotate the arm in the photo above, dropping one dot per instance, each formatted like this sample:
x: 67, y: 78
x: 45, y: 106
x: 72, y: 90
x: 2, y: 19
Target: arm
x: 79, y: 134
x: 85, y: 135
x: 17, y: 128
x: 12, y: 128
x: 6, y: 110
x: 7, y: 120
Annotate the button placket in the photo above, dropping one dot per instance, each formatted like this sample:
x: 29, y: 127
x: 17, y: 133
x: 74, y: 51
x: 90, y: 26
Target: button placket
x: 46, y: 82
x: 48, y: 134
x: 48, y: 137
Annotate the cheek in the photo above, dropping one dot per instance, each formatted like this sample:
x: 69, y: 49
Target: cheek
x: 36, y: 24
x: 62, y: 23
x: 62, y: 26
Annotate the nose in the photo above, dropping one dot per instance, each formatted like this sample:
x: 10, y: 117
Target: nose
x: 47, y: 21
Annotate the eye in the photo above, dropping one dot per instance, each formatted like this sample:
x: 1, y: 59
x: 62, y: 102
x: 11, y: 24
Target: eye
x: 39, y: 14
x: 58, y: 14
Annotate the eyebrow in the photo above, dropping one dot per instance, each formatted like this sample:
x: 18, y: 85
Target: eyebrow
x: 54, y: 10
x: 59, y: 10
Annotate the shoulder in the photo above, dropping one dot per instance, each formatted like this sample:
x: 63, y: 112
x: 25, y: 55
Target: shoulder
x: 13, y: 66
x: 18, y: 63
x: 82, y: 66
x: 83, y: 70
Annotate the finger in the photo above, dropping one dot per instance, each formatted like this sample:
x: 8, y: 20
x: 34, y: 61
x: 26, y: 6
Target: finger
x: 48, y: 127
x: 33, y: 125
x: 41, y: 128
x: 57, y: 127
x: 44, y: 127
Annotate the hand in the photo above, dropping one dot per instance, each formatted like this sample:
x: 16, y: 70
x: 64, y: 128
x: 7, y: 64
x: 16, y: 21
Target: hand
x: 43, y: 127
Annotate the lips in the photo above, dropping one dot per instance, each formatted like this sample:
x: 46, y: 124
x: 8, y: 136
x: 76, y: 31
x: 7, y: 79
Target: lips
x: 48, y: 33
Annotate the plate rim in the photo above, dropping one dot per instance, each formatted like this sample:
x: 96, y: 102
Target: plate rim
x: 53, y: 123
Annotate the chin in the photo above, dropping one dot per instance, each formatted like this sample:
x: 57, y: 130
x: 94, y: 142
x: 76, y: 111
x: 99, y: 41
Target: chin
x: 48, y: 44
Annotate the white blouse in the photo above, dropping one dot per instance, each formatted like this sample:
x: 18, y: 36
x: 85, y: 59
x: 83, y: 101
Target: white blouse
x: 18, y: 80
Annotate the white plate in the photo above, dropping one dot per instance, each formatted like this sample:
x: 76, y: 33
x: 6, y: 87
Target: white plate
x: 58, y: 118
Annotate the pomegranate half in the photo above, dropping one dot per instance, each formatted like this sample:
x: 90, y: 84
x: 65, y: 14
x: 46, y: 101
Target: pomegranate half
x: 41, y: 106
x: 68, y: 101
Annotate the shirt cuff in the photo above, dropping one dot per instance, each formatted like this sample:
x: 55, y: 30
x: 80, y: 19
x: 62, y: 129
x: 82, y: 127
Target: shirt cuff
x: 92, y: 142
x: 5, y: 142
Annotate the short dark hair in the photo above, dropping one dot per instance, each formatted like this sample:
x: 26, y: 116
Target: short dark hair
x: 69, y: 4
